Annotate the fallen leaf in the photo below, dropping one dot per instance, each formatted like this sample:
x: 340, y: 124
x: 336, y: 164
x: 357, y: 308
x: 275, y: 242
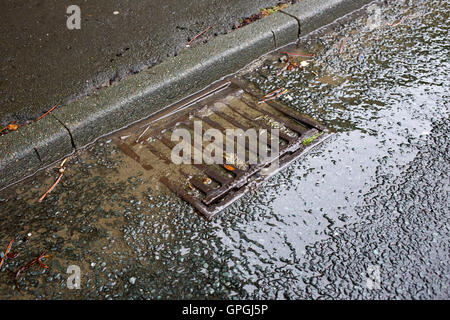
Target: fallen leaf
x: 229, y: 168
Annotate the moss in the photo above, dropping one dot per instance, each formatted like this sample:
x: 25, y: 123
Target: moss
x: 310, y: 139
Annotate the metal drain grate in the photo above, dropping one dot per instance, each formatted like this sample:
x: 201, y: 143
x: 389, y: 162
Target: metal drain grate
x: 231, y: 104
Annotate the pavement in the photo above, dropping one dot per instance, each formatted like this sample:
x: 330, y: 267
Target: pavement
x: 43, y: 63
x: 363, y: 216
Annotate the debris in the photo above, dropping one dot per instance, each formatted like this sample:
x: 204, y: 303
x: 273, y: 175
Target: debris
x: 198, y: 35
x: 11, y: 127
x: 284, y: 59
x: 190, y: 186
x: 12, y: 255
x: 286, y: 66
x: 343, y: 42
x: 61, y: 170
x: 289, y: 65
x: 298, y: 54
x: 61, y: 165
x: 51, y: 109
x: 206, y: 181
x: 272, y: 93
x: 140, y: 136
x: 399, y: 22
x: 37, y: 260
x: 264, y: 12
x: 228, y: 167
x: 360, y: 57
x: 311, y: 139
x: 304, y: 63
x: 115, y: 13
x: 315, y: 73
x: 6, y: 252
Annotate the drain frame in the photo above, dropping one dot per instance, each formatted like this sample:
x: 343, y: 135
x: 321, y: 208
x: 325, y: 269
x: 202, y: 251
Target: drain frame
x: 229, y: 189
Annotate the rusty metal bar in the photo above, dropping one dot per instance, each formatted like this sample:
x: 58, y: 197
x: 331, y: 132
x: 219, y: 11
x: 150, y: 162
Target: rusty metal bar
x: 213, y: 124
x: 230, y: 120
x: 246, y: 116
x: 200, y: 185
x: 202, y: 167
x: 295, y: 116
x: 187, y: 197
x: 252, y: 105
x: 300, y: 118
x: 158, y: 154
x: 129, y: 152
x: 212, y: 174
x: 238, y: 182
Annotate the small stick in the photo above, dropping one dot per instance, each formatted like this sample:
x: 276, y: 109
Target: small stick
x: 298, y: 54
x: 140, y: 136
x: 272, y: 93
x: 274, y: 97
x: 51, y: 188
x: 63, y: 163
x: 7, y: 126
x: 284, y: 68
x: 29, y: 264
x: 6, y: 252
x: 61, y: 172
x: 198, y: 35
x: 51, y: 109
x: 397, y: 23
x: 343, y: 43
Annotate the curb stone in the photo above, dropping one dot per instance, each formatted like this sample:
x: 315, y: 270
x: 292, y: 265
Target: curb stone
x: 139, y: 96
x: 313, y: 14
x: 30, y: 148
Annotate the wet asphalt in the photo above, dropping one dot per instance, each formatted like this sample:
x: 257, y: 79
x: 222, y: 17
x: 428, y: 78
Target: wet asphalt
x: 43, y: 63
x: 373, y: 197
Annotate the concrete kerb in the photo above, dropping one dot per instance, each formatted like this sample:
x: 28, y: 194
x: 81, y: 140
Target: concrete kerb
x: 313, y: 14
x: 77, y: 124
x: 30, y: 148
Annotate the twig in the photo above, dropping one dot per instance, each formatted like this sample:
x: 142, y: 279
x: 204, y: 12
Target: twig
x: 61, y: 172
x: 198, y: 35
x: 6, y: 126
x: 51, y: 188
x: 24, y: 125
x: 298, y: 54
x: 6, y: 252
x: 51, y: 109
x: 140, y: 136
x: 343, y: 43
x: 397, y: 23
x: 29, y: 264
x: 272, y: 93
x: 274, y: 97
x: 286, y: 65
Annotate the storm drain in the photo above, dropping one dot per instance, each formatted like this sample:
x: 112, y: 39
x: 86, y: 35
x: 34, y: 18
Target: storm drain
x: 232, y: 104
